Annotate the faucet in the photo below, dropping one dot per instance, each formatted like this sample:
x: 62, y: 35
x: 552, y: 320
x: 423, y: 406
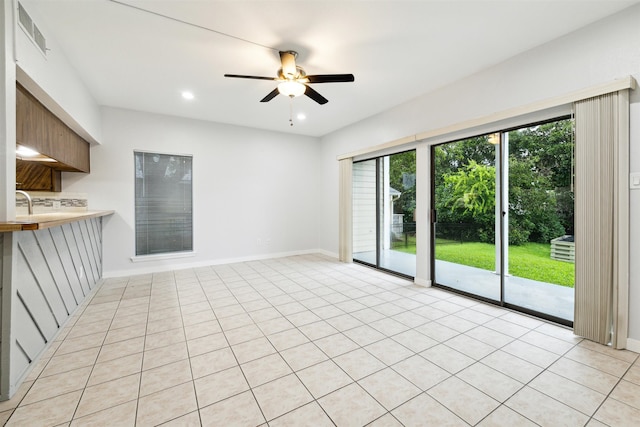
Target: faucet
x: 29, y: 202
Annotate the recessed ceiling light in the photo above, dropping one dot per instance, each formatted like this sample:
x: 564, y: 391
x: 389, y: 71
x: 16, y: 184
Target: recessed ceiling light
x: 301, y: 116
x: 187, y: 95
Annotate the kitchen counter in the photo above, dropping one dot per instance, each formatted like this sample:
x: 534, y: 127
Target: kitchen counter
x: 47, y: 274
x: 47, y: 220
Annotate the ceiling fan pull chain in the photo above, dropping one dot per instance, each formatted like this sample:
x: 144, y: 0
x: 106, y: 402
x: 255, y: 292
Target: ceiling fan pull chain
x: 291, y: 111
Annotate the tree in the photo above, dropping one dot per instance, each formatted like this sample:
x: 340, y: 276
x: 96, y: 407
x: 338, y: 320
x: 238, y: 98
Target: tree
x: 533, y: 213
x: 550, y: 146
x: 540, y: 173
x: 467, y: 196
x: 456, y: 155
x: 402, y: 177
x: 473, y: 189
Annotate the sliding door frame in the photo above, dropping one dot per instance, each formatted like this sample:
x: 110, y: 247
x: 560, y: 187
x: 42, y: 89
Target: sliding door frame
x: 433, y: 220
x: 379, y: 221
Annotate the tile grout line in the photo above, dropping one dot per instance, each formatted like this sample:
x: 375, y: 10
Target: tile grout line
x: 340, y: 284
x: 608, y: 396
x: 101, y: 346
x: 237, y: 362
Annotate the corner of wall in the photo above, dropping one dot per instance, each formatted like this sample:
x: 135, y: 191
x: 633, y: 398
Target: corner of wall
x: 55, y: 82
x: 633, y: 345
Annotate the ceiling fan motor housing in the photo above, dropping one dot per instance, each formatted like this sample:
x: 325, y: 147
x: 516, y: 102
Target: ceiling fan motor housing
x: 288, y: 60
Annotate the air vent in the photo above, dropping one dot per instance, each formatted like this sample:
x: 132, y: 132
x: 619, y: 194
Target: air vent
x: 32, y: 29
x: 25, y: 20
x: 39, y: 39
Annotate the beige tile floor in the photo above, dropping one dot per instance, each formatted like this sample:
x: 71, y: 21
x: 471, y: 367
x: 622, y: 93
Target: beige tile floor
x: 308, y: 341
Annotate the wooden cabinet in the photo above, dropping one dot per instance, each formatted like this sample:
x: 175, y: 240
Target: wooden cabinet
x: 33, y: 176
x: 41, y: 130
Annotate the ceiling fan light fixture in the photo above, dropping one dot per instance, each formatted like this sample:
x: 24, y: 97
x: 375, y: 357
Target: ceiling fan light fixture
x: 291, y: 88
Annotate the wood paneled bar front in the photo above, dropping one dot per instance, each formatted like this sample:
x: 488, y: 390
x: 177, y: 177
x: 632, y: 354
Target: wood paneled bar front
x: 50, y: 265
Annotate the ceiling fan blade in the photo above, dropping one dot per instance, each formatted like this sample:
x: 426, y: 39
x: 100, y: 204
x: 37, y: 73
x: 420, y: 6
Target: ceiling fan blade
x: 331, y: 78
x: 240, y: 76
x: 270, y: 96
x: 311, y: 93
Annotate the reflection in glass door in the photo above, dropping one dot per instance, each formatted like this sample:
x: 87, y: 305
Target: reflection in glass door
x: 384, y: 200
x: 503, y: 218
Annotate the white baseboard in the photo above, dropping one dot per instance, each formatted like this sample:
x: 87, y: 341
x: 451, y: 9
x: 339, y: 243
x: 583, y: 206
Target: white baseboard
x: 633, y: 345
x: 327, y: 253
x: 175, y: 264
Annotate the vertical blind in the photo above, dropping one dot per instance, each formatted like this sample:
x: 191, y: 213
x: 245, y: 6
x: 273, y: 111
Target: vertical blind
x: 345, y: 211
x: 601, y: 225
x: 163, y: 203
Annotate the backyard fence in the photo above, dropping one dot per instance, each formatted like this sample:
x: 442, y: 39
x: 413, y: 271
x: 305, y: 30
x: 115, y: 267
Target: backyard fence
x: 456, y: 232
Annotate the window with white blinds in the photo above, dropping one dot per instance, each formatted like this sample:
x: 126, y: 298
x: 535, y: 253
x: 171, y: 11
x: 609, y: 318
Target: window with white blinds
x: 163, y: 203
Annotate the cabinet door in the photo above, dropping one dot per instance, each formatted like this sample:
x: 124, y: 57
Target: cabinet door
x: 30, y: 122
x: 39, y: 129
x: 32, y: 176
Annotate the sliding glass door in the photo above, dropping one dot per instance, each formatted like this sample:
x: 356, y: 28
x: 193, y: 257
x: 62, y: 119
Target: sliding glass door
x: 539, y: 260
x: 503, y: 218
x: 365, y: 218
x: 464, y: 195
x: 384, y: 230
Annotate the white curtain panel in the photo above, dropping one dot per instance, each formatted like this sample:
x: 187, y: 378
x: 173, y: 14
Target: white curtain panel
x: 345, y: 251
x: 601, y: 218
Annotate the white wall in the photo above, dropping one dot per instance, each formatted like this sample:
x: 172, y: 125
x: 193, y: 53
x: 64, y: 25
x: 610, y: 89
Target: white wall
x: 254, y: 192
x: 599, y: 53
x: 54, y: 81
x: 7, y: 117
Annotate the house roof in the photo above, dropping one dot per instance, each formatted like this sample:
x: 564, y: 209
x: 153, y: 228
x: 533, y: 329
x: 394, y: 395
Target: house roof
x: 141, y: 54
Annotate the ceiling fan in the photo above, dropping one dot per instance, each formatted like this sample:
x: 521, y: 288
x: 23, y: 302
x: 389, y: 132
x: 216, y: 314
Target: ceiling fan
x: 294, y: 81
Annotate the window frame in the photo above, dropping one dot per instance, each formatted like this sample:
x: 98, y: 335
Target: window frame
x: 185, y: 168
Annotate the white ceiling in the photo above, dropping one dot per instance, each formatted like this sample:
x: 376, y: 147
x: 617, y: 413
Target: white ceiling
x: 397, y: 50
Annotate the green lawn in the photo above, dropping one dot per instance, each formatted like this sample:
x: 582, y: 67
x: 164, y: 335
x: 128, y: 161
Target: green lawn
x: 530, y: 260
